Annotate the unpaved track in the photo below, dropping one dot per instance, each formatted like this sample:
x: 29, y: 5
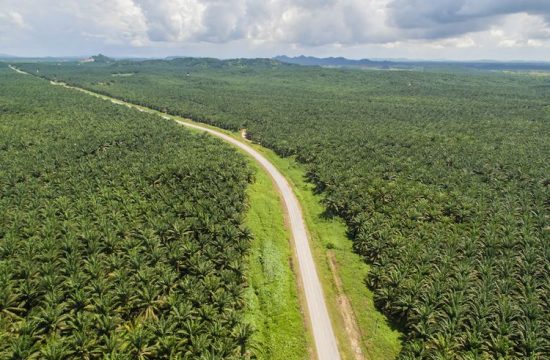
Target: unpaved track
x: 323, y: 334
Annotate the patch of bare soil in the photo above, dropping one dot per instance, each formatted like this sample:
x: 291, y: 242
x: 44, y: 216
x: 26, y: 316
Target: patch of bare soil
x: 344, y: 305
x: 243, y: 135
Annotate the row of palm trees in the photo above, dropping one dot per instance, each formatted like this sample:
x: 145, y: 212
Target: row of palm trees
x: 126, y: 243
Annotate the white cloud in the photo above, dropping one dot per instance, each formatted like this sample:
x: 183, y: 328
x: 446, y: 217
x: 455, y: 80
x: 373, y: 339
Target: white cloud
x: 461, y: 42
x: 15, y: 19
x: 335, y: 22
x: 520, y: 30
x: 84, y: 26
x: 176, y: 20
x: 115, y: 21
x: 10, y: 20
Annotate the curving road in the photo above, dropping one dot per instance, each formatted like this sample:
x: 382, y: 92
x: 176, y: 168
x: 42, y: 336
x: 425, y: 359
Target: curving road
x: 325, y: 341
x: 323, y: 334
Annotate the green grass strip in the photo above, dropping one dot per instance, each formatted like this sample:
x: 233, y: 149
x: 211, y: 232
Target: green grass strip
x: 274, y: 308
x: 379, y: 341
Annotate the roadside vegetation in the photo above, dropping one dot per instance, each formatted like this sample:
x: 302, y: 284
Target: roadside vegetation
x: 272, y: 295
x: 442, y: 180
x: 122, y: 235
x: 376, y: 337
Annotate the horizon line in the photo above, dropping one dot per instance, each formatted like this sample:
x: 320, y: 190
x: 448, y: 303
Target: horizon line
x: 389, y: 59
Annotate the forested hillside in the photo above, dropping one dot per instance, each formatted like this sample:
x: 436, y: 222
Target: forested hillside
x: 443, y: 180
x: 440, y: 65
x: 120, y: 234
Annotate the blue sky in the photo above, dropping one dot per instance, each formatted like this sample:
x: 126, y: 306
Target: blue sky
x: 418, y: 29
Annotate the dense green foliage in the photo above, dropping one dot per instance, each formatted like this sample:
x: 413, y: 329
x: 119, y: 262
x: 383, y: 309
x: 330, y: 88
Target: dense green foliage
x: 442, y: 178
x: 120, y: 234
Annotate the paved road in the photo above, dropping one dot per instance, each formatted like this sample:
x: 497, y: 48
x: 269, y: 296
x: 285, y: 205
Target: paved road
x: 325, y: 341
x: 323, y: 334
x: 17, y: 70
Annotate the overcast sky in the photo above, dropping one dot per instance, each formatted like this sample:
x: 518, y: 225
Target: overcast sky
x: 418, y: 29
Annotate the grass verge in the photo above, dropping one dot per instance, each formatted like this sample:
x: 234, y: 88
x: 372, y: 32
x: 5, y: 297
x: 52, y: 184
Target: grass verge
x: 378, y: 340
x: 273, y: 305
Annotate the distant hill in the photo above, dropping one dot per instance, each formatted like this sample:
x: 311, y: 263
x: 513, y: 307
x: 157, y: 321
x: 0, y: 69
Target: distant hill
x: 100, y: 58
x: 207, y: 63
x: 412, y: 64
x: 213, y: 63
x: 330, y: 61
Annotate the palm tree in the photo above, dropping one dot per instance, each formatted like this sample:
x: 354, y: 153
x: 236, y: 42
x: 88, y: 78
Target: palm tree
x: 21, y: 347
x: 11, y: 306
x: 530, y: 345
x: 49, y: 319
x: 164, y: 330
x: 83, y: 345
x: 54, y: 348
x: 500, y: 346
x: 442, y: 346
x: 105, y: 324
x: 242, y: 334
x: 111, y: 344
x: 139, y: 341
